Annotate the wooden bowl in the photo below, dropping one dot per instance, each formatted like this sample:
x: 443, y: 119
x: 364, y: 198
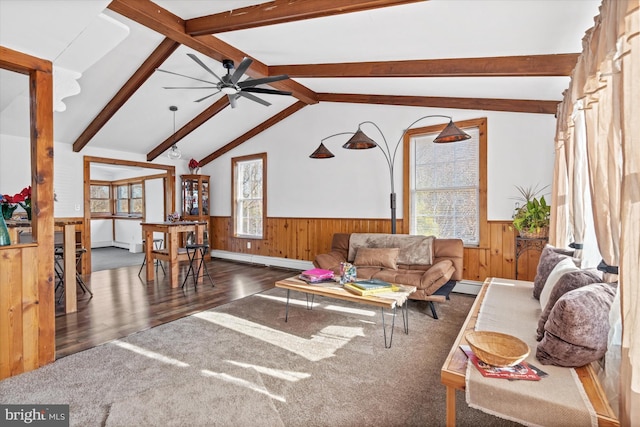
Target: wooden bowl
x: 497, y: 349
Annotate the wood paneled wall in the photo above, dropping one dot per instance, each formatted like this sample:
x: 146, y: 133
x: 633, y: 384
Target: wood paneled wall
x: 304, y: 238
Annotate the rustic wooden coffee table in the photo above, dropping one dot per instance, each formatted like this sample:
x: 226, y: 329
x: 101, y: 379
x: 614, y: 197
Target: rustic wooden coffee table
x: 333, y: 290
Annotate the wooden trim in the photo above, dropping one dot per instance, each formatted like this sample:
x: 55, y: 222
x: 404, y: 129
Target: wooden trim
x: 490, y: 104
x: 142, y: 74
x: 27, y: 310
x: 500, y: 66
x: 253, y: 132
x: 481, y: 124
x: 280, y: 12
x: 169, y: 178
x: 234, y: 165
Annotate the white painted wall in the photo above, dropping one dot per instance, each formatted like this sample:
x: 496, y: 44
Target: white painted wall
x: 356, y: 183
x: 352, y: 184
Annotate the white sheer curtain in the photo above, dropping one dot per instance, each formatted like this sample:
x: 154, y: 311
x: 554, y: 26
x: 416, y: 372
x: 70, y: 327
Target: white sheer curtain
x: 629, y: 42
x: 604, y: 97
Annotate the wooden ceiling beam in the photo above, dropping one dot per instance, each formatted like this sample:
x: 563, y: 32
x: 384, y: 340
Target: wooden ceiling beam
x: 162, y: 21
x: 280, y: 12
x: 148, y: 67
x: 490, y: 104
x: 501, y: 66
x: 185, y: 130
x: 253, y: 132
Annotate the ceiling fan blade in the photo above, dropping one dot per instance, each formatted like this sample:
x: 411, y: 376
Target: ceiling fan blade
x: 265, y: 90
x: 232, y: 100
x: 182, y: 75
x: 242, y: 68
x: 254, y: 98
x: 208, y: 96
x: 189, y: 87
x: 264, y: 80
x: 202, y: 64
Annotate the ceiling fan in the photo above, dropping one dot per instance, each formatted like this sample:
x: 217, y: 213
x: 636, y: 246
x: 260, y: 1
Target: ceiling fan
x: 231, y: 85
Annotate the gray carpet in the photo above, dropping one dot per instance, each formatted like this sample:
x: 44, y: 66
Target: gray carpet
x: 241, y: 365
x: 109, y: 258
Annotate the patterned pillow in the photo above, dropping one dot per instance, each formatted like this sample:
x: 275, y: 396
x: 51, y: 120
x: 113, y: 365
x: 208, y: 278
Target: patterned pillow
x: 577, y: 330
x: 549, y: 258
x: 567, y: 282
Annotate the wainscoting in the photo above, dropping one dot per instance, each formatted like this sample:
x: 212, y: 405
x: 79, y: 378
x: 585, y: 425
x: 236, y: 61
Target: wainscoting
x: 303, y: 238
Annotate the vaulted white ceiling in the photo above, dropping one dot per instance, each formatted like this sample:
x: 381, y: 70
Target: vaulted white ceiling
x: 105, y: 49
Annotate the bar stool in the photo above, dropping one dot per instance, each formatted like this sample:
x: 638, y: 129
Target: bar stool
x: 157, y: 243
x: 192, y: 250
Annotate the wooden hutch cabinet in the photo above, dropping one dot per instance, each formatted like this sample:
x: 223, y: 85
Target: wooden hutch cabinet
x: 195, y: 199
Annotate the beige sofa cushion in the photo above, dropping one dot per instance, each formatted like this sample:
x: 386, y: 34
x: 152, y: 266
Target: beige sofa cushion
x: 377, y: 257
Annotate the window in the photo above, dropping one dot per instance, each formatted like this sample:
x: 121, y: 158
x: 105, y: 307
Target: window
x: 129, y: 199
x: 100, y: 199
x: 116, y: 198
x: 447, y: 184
x: 249, y: 189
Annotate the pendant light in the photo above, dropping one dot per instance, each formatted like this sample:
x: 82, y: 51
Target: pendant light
x: 174, y: 153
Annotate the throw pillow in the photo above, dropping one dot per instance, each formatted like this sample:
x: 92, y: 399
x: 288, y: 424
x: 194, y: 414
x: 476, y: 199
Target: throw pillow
x: 377, y: 257
x: 549, y: 258
x: 564, y: 266
x: 567, y: 282
x: 577, y: 330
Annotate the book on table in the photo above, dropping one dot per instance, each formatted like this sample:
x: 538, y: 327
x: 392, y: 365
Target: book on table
x: 367, y: 285
x: 521, y: 371
x: 358, y: 289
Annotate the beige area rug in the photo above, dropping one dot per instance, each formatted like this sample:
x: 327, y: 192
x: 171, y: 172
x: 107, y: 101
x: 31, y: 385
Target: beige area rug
x: 241, y: 365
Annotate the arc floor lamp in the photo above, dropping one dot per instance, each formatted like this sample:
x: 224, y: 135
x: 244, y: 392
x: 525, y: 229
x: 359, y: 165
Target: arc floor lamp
x: 360, y: 141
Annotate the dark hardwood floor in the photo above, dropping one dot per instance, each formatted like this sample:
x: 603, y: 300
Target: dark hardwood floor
x: 124, y: 303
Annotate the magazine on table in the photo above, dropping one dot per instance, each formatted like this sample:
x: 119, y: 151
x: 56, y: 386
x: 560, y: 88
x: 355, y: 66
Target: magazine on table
x: 316, y: 275
x: 521, y: 371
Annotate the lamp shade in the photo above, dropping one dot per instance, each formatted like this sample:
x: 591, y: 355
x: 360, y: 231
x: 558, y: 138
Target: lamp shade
x: 451, y: 133
x: 359, y: 141
x: 321, y: 153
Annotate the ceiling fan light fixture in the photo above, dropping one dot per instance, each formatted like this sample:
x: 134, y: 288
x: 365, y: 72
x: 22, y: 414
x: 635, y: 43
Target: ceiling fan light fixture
x: 229, y: 90
x: 359, y: 141
x: 451, y: 133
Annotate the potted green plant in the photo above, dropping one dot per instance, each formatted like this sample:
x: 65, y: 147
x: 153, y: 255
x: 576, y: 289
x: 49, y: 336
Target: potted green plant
x: 532, y: 218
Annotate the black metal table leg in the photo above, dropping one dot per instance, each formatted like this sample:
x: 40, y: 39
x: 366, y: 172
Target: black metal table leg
x: 286, y: 308
x: 384, y: 329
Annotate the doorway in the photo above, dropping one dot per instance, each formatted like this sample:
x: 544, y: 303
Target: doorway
x: 118, y: 226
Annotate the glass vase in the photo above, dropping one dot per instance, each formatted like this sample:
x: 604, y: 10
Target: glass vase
x: 5, y: 239
x: 7, y: 211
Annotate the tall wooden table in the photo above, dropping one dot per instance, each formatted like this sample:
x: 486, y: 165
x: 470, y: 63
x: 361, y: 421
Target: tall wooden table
x: 171, y: 253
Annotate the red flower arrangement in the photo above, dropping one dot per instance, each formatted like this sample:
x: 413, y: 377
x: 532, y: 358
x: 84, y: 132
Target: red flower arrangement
x: 193, y: 163
x: 22, y: 198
